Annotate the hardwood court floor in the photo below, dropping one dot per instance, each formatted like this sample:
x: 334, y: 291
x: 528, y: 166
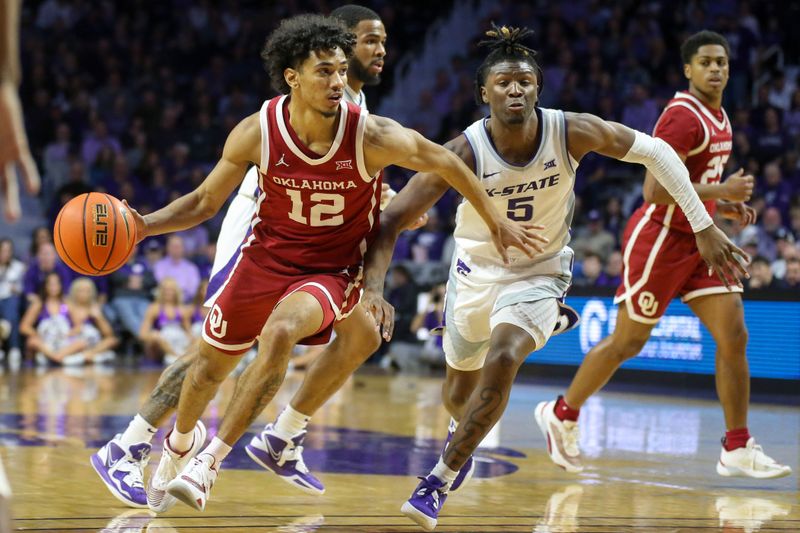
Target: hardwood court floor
x: 650, y: 463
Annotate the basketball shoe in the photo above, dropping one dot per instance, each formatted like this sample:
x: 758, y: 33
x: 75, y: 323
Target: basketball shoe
x: 465, y: 474
x: 750, y: 461
x: 562, y: 437
x: 168, y: 468
x: 285, y: 458
x: 122, y: 470
x: 193, y: 484
x: 425, y: 503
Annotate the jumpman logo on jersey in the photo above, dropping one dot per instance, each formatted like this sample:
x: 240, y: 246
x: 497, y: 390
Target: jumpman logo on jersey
x: 281, y: 161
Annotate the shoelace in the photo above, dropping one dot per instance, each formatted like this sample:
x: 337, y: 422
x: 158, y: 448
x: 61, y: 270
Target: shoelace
x: 202, y: 470
x: 571, y: 439
x: 296, y: 454
x: 135, y: 474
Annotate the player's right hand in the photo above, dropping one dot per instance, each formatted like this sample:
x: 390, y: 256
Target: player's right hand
x: 523, y: 236
x: 141, y: 225
x: 720, y: 254
x: 739, y: 187
x: 381, y: 311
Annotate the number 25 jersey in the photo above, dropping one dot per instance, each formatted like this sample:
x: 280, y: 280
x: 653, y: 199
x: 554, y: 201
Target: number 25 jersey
x: 705, y: 136
x: 316, y: 213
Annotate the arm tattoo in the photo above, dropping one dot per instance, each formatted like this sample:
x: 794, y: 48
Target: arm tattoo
x: 164, y: 398
x: 476, y: 424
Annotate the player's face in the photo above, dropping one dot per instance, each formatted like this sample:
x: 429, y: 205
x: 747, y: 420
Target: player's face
x: 709, y: 69
x: 366, y: 64
x: 320, y: 81
x: 511, y: 90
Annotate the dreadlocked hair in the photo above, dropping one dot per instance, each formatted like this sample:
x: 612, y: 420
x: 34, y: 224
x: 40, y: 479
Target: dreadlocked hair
x: 504, y: 43
x: 293, y: 41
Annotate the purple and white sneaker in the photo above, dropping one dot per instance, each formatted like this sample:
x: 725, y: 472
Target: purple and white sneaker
x: 285, y: 458
x: 465, y: 474
x: 122, y: 471
x: 425, y: 503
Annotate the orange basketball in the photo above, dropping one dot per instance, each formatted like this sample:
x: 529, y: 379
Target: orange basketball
x: 94, y: 234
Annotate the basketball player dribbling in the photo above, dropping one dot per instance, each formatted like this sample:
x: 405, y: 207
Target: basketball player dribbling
x: 120, y: 463
x: 661, y: 262
x: 496, y: 313
x: 319, y: 163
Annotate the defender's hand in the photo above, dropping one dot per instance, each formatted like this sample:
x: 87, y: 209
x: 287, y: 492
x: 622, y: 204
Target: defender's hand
x: 720, y: 254
x: 381, y: 310
x: 523, y: 236
x: 739, y: 211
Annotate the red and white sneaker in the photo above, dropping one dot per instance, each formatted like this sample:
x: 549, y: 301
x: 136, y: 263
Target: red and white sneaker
x: 750, y: 461
x: 562, y: 437
x: 168, y: 468
x: 193, y: 484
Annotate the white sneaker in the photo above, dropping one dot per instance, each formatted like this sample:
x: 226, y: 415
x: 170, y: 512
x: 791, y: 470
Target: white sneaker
x: 562, y: 437
x: 750, y: 461
x: 193, y: 484
x: 561, y: 512
x: 168, y: 468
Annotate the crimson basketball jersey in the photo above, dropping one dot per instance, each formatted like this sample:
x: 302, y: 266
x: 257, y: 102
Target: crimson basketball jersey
x: 315, y: 213
x: 705, y: 135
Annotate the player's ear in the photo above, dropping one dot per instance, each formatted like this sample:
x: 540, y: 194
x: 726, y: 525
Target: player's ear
x: 484, y: 95
x: 687, y: 71
x: 291, y: 75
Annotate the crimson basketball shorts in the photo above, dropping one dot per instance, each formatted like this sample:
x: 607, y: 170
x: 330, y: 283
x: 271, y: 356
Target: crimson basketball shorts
x: 660, y: 264
x: 251, y: 293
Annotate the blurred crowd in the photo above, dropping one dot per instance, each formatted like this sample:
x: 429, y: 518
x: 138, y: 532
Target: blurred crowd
x: 136, y: 98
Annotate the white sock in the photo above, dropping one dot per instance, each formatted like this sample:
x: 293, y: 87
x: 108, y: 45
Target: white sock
x: 139, y: 430
x: 290, y: 422
x: 218, y: 450
x: 443, y: 472
x: 180, y: 442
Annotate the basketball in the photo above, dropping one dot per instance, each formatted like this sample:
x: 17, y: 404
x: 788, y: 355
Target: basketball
x: 94, y: 234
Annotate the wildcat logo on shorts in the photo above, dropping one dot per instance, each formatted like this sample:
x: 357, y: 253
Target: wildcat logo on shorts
x: 462, y: 268
x: 648, y: 303
x: 216, y: 324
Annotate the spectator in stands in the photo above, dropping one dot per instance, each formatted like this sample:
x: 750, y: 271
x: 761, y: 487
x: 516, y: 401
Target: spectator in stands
x: 153, y: 253
x: 99, y: 140
x: 640, y: 111
x: 771, y: 141
x: 593, y: 238
x: 424, y: 324
x: 40, y: 235
x: 131, y: 292
x: 56, y: 162
x: 12, y: 271
x: 165, y: 331
x: 792, y: 277
x: 761, y: 275
x: 785, y: 244
x: 46, y: 262
x: 775, y: 191
x: 791, y: 119
x: 77, y: 184
x: 591, y: 268
x: 611, y: 274
x: 402, y: 294
x: 781, y: 91
x: 177, y: 267
x: 196, y: 310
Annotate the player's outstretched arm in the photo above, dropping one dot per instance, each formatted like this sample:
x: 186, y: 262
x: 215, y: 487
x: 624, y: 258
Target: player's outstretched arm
x: 241, y: 148
x: 738, y: 187
x: 589, y: 133
x: 388, y: 143
x: 420, y: 193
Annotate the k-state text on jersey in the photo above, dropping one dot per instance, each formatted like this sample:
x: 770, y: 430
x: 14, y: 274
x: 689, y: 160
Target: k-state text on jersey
x: 534, y: 185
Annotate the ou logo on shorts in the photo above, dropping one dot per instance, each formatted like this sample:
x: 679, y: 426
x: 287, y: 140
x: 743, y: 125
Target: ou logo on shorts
x: 216, y: 325
x: 648, y: 303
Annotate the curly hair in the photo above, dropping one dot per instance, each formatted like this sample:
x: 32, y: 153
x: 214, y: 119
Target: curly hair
x: 504, y: 43
x: 293, y: 41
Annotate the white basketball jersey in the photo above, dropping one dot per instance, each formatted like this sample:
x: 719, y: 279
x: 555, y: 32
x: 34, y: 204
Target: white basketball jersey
x: 540, y: 192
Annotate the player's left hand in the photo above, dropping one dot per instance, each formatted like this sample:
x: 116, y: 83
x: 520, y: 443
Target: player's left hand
x: 141, y: 225
x: 381, y: 310
x: 722, y: 256
x: 523, y: 236
x: 739, y: 211
x: 14, y: 153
